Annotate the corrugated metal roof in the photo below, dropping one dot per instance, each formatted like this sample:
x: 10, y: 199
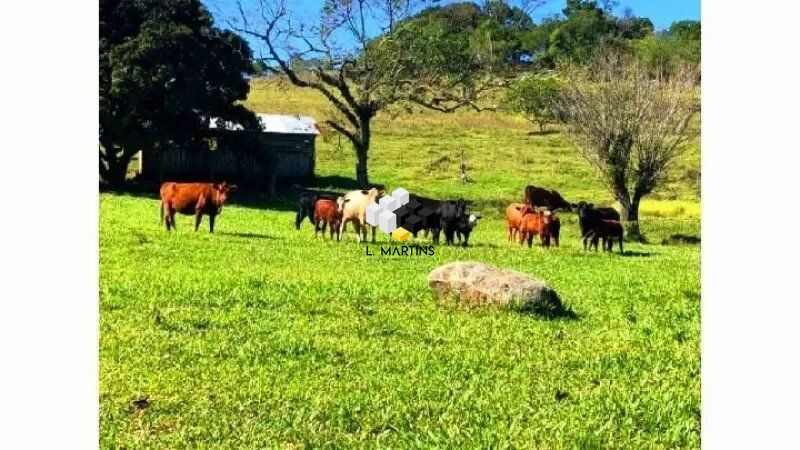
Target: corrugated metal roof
x: 280, y: 123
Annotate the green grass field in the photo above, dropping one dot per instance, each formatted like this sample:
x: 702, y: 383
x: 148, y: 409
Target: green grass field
x: 261, y: 336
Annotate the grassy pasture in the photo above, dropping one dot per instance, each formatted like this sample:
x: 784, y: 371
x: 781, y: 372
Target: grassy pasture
x: 261, y: 336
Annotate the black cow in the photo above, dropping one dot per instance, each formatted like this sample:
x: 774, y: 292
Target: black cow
x: 448, y: 216
x: 306, y: 208
x: 590, y: 218
x: 541, y: 197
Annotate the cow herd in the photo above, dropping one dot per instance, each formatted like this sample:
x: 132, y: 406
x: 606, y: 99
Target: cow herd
x: 537, y: 216
x: 448, y: 217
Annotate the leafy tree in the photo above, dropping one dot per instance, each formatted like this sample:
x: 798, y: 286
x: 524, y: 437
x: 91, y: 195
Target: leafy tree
x: 664, y: 53
x: 687, y: 40
x: 398, y: 59
x: 586, y: 27
x: 688, y: 30
x: 632, y: 27
x: 533, y: 97
x: 630, y: 127
x: 537, y: 43
x: 259, y: 68
x: 164, y: 71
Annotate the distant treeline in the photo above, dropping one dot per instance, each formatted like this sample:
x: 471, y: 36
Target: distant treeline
x: 501, y: 34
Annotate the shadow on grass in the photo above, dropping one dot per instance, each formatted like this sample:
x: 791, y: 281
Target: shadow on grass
x: 551, y: 308
x: 630, y: 254
x: 681, y: 239
x: 247, y: 235
x: 542, y: 133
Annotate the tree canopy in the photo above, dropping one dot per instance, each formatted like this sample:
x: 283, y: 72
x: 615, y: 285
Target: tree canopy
x: 165, y: 70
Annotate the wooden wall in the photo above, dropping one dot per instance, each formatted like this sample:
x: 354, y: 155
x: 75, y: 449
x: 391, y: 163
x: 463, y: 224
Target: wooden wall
x: 290, y: 155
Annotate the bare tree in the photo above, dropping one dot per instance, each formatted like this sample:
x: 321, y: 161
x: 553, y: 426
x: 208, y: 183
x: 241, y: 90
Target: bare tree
x: 355, y: 55
x: 632, y: 128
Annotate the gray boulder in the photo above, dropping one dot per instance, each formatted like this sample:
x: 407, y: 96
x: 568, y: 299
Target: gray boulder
x: 477, y: 284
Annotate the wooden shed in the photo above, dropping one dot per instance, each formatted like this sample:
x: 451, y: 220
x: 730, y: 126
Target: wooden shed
x: 287, y: 141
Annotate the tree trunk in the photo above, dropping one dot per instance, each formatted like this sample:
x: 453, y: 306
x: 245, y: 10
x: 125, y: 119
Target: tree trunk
x: 630, y: 215
x: 116, y: 166
x: 362, y: 151
x: 362, y: 174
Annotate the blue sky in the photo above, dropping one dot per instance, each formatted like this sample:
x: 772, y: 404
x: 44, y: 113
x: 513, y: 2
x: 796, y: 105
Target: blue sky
x: 661, y: 12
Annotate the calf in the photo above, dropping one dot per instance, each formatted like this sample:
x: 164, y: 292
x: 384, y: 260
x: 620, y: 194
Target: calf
x: 193, y: 198
x: 327, y: 212
x: 554, y: 229
x: 541, y: 197
x: 608, y: 231
x: 532, y: 224
x: 589, y: 217
x: 514, y: 213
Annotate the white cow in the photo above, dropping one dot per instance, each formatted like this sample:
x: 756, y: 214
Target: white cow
x: 353, y: 206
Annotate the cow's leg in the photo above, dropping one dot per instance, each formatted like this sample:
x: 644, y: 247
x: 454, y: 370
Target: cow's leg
x: 198, y: 217
x: 587, y: 240
x: 171, y: 218
x: 211, y: 218
x: 357, y: 226
x: 530, y: 240
x: 165, y: 215
x: 299, y: 219
x: 620, y: 245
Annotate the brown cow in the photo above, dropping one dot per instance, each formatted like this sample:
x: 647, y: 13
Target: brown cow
x: 608, y: 231
x: 326, y: 212
x: 193, y: 198
x: 514, y: 213
x: 532, y: 224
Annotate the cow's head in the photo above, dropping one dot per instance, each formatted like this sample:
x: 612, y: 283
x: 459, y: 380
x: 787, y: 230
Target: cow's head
x: 472, y: 222
x: 461, y: 207
x: 340, y: 201
x: 374, y: 194
x: 224, y: 191
x: 582, y: 208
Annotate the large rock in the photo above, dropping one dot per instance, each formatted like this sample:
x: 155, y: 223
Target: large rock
x: 477, y: 284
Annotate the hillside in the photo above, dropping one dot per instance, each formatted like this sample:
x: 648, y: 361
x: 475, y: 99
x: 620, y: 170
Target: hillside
x: 421, y: 152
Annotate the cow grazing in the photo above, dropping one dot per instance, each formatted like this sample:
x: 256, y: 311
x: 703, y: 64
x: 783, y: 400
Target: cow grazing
x: 354, y: 209
x: 589, y: 217
x: 538, y: 197
x: 193, y: 198
x: 514, y: 213
x: 533, y: 224
x: 327, y: 212
x: 608, y: 231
